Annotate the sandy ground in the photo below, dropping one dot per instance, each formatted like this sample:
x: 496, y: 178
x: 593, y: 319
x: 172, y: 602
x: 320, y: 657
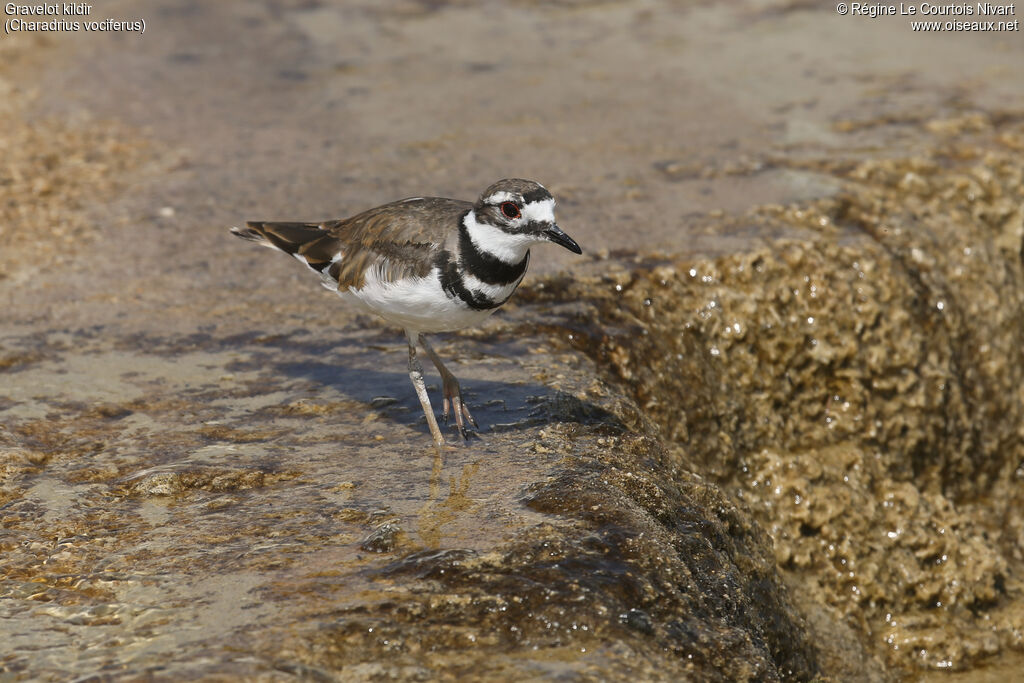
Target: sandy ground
x: 629, y: 111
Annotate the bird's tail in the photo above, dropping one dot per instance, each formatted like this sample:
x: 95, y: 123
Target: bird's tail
x: 307, y: 242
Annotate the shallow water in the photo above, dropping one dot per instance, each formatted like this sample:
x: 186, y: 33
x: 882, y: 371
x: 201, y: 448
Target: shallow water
x: 172, y: 500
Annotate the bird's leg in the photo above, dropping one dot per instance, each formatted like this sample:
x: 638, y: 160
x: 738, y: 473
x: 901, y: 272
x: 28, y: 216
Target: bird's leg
x: 452, y: 392
x: 416, y: 375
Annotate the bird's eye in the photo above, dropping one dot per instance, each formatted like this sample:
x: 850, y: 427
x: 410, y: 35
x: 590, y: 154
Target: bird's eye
x: 510, y: 210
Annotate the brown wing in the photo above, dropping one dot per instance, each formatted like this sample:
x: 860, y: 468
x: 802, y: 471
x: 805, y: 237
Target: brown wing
x: 398, y: 240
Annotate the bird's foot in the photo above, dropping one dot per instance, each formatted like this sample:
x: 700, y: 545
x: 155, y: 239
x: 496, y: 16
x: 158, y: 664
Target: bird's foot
x: 453, y: 403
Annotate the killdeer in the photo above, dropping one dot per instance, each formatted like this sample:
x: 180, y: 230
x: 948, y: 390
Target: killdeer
x: 427, y: 264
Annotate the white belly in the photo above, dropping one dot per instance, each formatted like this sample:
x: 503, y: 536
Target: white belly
x: 415, y: 304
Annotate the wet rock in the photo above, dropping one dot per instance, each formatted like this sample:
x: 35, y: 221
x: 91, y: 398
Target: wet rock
x: 667, y: 568
x: 383, y: 539
x: 192, y: 478
x: 637, y: 619
x: 860, y: 390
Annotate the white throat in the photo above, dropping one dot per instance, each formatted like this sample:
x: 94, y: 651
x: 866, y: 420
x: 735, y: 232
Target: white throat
x: 494, y: 241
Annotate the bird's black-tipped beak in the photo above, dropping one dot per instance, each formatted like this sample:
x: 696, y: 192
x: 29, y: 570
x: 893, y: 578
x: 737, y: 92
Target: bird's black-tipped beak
x: 555, y: 234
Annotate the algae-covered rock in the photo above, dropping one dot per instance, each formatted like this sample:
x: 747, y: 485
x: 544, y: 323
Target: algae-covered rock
x: 860, y: 390
x: 648, y: 575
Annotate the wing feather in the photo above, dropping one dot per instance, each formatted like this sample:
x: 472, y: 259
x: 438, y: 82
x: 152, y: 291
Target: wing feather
x: 396, y: 240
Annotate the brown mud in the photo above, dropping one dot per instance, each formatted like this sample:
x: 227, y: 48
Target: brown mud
x: 770, y: 428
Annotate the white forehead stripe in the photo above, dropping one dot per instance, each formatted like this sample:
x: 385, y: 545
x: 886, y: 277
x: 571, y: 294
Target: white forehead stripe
x: 499, y: 197
x: 540, y: 212
x: 501, y: 245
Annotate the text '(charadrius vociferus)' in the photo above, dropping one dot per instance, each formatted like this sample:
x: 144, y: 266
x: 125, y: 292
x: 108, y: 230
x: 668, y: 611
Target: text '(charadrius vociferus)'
x: 427, y: 264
